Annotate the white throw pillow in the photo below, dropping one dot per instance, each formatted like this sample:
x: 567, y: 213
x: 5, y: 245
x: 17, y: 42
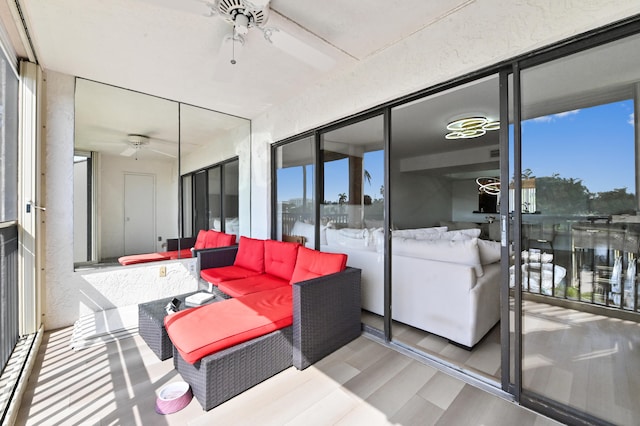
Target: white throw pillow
x: 463, y: 252
x: 489, y: 251
x: 420, y: 233
x: 461, y: 234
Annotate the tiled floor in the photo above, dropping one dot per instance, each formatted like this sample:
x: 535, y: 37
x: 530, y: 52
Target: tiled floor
x: 362, y: 383
x: 482, y: 361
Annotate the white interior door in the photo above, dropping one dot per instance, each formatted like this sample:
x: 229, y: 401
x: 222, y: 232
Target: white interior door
x: 139, y: 213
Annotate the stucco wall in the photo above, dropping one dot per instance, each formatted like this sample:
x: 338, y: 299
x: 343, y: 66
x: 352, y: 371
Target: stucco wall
x: 68, y: 294
x: 479, y: 35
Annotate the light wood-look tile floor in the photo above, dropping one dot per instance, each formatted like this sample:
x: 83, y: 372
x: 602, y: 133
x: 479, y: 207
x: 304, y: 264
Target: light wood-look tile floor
x: 362, y: 383
x: 482, y: 361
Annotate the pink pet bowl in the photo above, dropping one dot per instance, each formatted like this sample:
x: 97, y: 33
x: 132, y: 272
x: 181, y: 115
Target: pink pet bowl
x: 173, y: 397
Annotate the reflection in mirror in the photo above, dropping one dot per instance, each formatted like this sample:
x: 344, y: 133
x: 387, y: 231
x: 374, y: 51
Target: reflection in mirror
x: 128, y: 149
x: 215, y: 170
x: 131, y: 149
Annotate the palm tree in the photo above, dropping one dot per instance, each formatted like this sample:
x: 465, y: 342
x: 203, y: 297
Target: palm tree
x: 342, y: 198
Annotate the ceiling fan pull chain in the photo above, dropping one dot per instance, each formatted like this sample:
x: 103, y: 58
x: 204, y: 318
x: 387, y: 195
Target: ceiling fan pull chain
x: 233, y: 49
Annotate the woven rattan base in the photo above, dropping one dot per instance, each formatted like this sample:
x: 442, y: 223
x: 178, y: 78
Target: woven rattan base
x: 221, y: 376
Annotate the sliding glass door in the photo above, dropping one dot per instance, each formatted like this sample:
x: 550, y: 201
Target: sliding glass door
x: 580, y: 232
x: 496, y: 223
x: 445, y: 233
x: 210, y: 199
x: 352, y: 211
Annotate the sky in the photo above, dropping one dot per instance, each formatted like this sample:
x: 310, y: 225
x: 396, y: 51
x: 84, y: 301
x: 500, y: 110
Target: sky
x: 593, y: 144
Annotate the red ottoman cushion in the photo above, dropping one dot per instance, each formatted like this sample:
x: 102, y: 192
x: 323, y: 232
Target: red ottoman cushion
x: 202, y: 331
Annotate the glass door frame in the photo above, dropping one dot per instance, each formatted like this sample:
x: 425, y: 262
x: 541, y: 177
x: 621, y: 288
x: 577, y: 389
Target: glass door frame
x: 554, y: 409
x: 511, y: 382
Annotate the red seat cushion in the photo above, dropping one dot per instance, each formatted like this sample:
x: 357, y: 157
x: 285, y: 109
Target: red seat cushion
x: 242, y: 287
x: 182, y: 254
x: 250, y: 254
x: 226, y: 273
x: 312, y: 264
x: 142, y: 258
x: 280, y: 258
x: 200, y: 240
x: 202, y: 331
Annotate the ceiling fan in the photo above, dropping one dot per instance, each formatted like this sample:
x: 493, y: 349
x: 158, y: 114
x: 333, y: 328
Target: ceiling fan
x: 247, y: 16
x: 139, y: 142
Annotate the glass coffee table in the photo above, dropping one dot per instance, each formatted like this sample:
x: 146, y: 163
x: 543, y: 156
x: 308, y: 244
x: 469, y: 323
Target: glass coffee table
x: 151, y: 321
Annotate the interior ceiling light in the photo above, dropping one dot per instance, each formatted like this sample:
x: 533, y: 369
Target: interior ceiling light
x: 488, y: 185
x: 470, y: 127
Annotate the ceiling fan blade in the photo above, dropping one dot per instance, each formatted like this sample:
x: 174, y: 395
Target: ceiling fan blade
x: 298, y: 49
x: 128, y: 152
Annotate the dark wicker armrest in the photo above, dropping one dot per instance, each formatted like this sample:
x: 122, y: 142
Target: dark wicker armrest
x: 215, y: 257
x: 326, y: 315
x: 185, y: 243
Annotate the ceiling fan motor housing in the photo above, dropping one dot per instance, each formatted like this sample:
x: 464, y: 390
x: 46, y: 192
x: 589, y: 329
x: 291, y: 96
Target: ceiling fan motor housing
x: 244, y: 14
x: 138, y: 141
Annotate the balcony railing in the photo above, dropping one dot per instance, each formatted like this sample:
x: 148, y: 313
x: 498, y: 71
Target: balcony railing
x: 8, y: 292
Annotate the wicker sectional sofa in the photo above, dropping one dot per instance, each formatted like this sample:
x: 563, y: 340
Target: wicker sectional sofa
x: 291, y: 306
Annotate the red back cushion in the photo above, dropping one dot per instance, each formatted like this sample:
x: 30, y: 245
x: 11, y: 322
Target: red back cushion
x: 280, y: 258
x: 226, y: 239
x: 250, y: 254
x: 200, y: 240
x: 219, y: 239
x: 312, y: 264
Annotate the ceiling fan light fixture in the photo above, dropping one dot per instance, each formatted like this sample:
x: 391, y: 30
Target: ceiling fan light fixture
x: 241, y: 24
x: 137, y: 141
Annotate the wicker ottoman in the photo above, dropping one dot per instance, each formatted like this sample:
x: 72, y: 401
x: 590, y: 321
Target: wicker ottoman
x: 151, y: 322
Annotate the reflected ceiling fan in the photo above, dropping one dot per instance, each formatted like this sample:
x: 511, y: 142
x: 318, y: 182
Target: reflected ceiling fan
x: 139, y: 142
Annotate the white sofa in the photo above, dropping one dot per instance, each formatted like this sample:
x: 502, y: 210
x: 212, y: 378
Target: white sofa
x: 443, y: 282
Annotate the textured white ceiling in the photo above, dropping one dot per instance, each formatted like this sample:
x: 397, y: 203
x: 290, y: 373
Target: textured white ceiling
x: 169, y: 48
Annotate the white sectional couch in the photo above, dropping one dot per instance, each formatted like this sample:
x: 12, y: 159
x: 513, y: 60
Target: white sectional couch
x: 443, y: 282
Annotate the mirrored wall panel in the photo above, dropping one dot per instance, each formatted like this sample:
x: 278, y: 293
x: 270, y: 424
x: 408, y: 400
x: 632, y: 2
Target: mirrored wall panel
x: 133, y: 153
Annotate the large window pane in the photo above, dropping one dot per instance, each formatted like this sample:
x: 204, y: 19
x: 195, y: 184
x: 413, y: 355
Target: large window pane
x: 295, y: 191
x: 353, y: 206
x: 214, y: 199
x: 8, y: 142
x: 444, y: 188
x: 580, y: 231
x: 231, y: 198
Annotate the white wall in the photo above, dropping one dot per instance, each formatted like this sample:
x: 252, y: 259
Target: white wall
x: 481, y: 35
x: 110, y: 211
